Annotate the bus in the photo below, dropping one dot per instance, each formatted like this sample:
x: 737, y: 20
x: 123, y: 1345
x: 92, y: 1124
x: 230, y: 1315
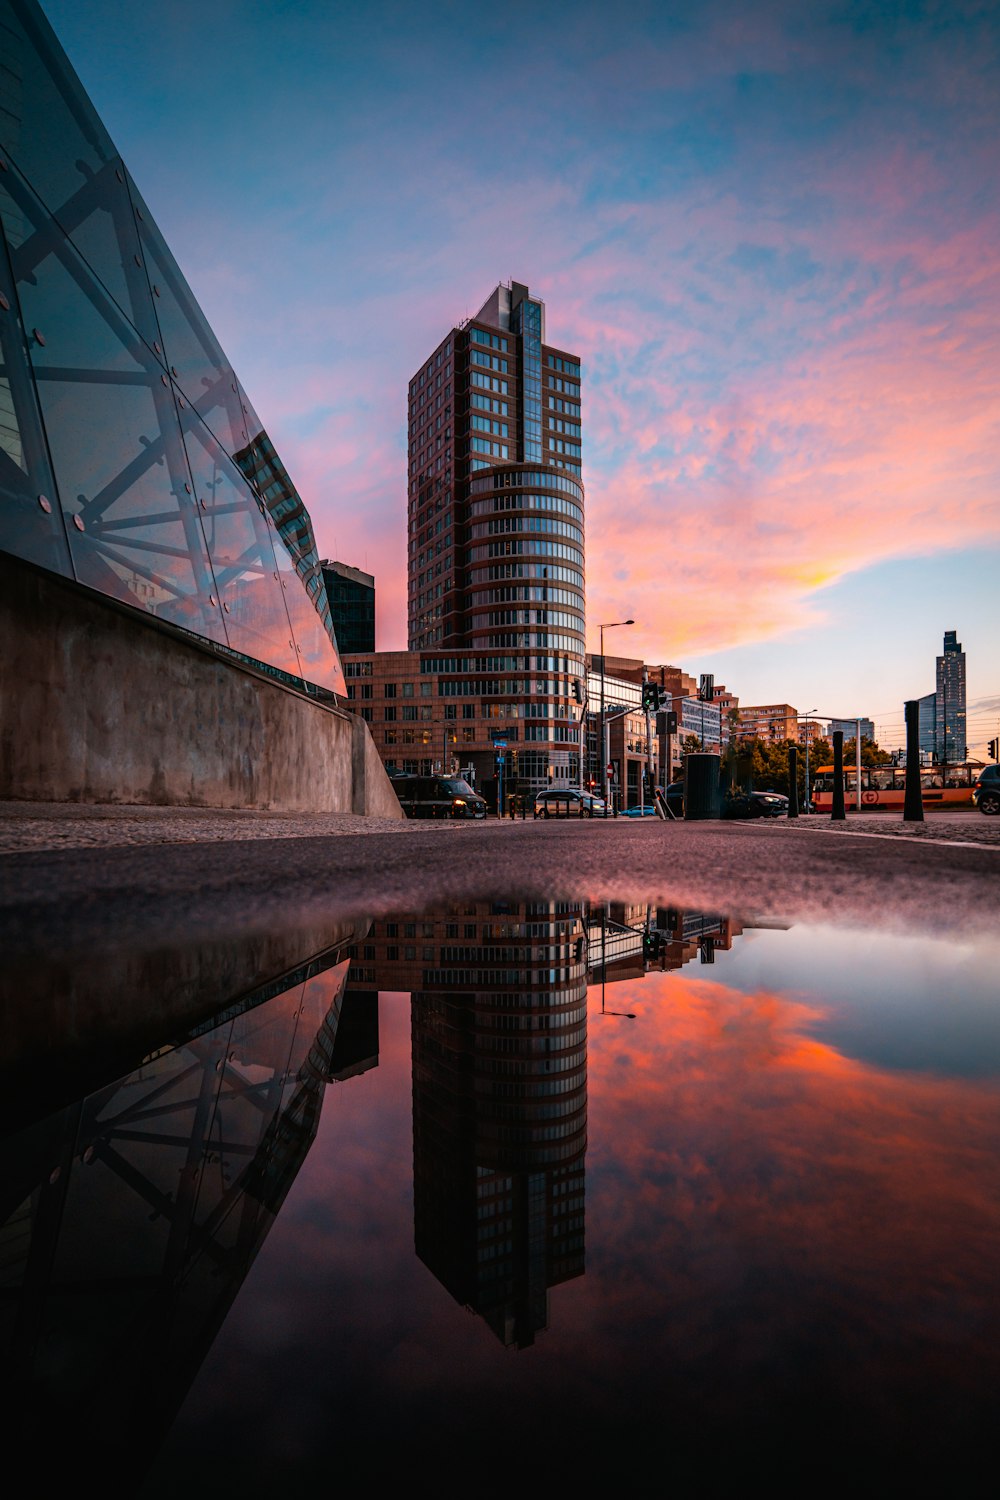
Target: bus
x: 883, y: 786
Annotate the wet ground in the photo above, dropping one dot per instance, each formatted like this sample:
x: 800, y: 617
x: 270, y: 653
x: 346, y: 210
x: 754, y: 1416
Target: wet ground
x: 526, y: 1154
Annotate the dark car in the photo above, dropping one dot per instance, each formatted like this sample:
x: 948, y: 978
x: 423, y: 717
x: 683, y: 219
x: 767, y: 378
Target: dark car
x: 755, y: 805
x: 986, y: 791
x: 674, y: 795
x: 438, y: 797
x: 568, y: 802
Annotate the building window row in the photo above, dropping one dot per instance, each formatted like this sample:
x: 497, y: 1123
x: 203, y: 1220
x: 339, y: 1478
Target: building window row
x: 515, y: 501
x: 488, y: 383
x: 488, y: 361
x: 525, y: 548
x: 491, y: 340
x: 483, y: 445
x: 558, y: 446
x: 568, y: 408
x: 569, y: 429
x: 488, y: 403
x: 487, y: 424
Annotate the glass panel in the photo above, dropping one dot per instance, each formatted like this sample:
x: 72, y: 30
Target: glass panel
x: 115, y: 442
x: 239, y: 542
x: 191, y: 349
x: 30, y: 523
x: 99, y: 221
x: 47, y: 123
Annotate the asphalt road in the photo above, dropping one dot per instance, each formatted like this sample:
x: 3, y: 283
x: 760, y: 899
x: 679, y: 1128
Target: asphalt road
x: 72, y: 899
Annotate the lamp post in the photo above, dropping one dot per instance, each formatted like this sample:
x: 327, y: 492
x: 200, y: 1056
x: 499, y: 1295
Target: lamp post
x: 807, y: 717
x: 605, y: 747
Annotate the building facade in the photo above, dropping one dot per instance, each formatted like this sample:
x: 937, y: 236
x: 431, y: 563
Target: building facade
x: 351, y: 595
x: 774, y: 722
x: 131, y: 459
x: 496, y: 528
x: 950, y: 707
x: 849, y: 728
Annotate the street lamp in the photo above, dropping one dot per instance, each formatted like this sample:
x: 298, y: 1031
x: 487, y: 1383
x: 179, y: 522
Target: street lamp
x: 807, y: 718
x: 605, y: 747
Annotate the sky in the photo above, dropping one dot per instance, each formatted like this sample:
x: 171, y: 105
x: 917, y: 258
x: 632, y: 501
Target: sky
x: 770, y: 231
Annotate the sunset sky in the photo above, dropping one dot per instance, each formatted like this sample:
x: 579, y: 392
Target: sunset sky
x: 771, y: 231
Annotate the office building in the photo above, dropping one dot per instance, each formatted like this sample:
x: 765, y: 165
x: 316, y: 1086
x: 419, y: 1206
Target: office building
x: 950, y: 707
x: 849, y: 728
x: 351, y: 596
x: 495, y: 530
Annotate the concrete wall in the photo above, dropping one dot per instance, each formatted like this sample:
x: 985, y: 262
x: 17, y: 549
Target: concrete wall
x: 101, y: 703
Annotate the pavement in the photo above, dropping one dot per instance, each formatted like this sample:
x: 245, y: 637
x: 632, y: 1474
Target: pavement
x: 79, y: 876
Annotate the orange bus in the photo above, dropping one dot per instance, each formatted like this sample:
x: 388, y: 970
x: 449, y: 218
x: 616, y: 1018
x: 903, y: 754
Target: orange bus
x: 883, y: 786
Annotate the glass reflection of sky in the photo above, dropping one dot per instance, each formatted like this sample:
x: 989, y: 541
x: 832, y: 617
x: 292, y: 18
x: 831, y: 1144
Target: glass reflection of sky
x: 792, y: 1232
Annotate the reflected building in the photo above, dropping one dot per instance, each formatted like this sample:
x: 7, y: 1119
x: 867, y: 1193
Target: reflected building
x: 499, y: 1031
x: 130, y: 1219
x: 627, y: 942
x: 131, y: 459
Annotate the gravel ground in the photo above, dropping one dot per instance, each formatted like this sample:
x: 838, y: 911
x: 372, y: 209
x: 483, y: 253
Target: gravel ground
x: 48, y: 826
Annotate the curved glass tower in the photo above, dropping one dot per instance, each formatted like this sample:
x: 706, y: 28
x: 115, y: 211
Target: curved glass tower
x: 131, y: 459
x: 496, y: 530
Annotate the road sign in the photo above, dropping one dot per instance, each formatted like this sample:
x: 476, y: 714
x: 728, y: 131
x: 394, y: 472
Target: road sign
x: 611, y: 770
x: 499, y: 744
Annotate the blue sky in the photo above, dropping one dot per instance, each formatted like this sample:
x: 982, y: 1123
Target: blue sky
x: 772, y: 233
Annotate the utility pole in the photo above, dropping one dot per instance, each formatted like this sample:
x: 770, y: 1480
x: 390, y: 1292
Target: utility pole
x: 857, y: 759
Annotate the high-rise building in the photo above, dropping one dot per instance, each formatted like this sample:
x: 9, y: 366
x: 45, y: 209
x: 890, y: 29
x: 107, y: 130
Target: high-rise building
x: 950, y: 706
x: 495, y: 529
x: 351, y: 596
x: 849, y: 728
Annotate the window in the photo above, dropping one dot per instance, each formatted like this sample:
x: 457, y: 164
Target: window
x: 407, y: 689
x: 390, y: 736
x: 389, y: 714
x: 366, y: 690
x: 389, y: 690
x: 451, y: 710
x: 468, y: 710
x: 468, y: 736
x: 366, y: 714
x: 426, y: 689
x: 409, y: 712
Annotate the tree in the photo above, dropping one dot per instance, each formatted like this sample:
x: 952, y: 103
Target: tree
x: 690, y: 745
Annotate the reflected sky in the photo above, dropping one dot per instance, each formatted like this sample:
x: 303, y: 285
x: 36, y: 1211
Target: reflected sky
x: 792, y: 1225
x: 590, y: 1183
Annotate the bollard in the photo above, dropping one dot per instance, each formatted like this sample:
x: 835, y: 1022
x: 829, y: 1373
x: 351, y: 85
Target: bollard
x: 701, y: 788
x: 793, y: 782
x: 838, y: 815
x: 913, y: 801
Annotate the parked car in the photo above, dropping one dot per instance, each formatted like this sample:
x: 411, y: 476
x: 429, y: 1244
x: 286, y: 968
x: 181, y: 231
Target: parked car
x: 568, y: 802
x: 755, y: 805
x: 438, y: 797
x: 986, y: 791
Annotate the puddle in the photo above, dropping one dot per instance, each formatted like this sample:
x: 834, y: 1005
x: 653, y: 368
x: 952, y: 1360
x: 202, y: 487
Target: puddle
x: 542, y: 1190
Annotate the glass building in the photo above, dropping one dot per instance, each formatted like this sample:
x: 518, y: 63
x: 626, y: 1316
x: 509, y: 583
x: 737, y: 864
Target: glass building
x: 352, y: 605
x: 496, y: 529
x: 950, y: 706
x: 131, y: 459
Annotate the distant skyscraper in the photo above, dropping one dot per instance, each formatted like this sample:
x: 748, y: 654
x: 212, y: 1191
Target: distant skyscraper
x: 352, y: 606
x: 950, y: 695
x: 495, y: 529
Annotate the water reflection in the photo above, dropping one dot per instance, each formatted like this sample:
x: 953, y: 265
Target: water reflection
x: 655, y: 1153
x: 131, y: 1218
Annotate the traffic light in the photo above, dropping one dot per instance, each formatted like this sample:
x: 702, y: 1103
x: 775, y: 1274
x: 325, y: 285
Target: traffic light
x: 577, y: 690
x: 651, y: 945
x: 706, y: 687
x: 994, y: 749
x: 672, y: 721
x: 650, y: 697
